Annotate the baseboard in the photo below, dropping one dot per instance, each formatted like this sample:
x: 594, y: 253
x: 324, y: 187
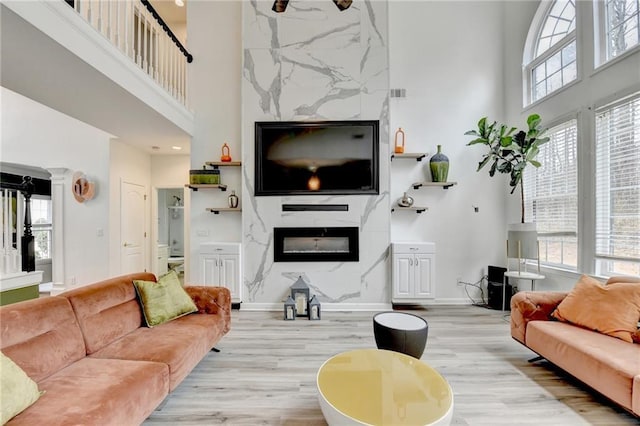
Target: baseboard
x: 326, y: 307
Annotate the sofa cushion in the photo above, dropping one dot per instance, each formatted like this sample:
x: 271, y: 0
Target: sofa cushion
x: 18, y: 390
x: 99, y: 392
x: 42, y: 336
x: 180, y: 344
x: 606, y: 364
x: 164, y: 300
x: 613, y: 309
x: 107, y: 310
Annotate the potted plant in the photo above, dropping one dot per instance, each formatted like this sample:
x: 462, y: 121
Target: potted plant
x: 510, y: 152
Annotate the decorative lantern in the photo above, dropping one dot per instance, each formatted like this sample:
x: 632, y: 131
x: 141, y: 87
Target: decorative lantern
x: 289, y: 309
x: 300, y: 295
x: 314, y: 308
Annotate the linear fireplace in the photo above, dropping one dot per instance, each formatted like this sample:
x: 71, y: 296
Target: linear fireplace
x: 337, y: 244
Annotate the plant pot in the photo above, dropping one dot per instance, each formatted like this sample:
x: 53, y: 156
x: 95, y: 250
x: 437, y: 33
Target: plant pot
x: 522, y: 241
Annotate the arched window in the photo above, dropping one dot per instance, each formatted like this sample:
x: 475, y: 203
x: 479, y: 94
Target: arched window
x: 550, y: 55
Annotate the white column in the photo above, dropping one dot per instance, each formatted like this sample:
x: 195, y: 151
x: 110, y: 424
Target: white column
x: 58, y: 176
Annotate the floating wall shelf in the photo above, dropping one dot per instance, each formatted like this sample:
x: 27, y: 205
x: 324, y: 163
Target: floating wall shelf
x: 195, y: 187
x: 418, y: 156
x: 413, y: 208
x: 444, y: 185
x: 223, y: 164
x: 217, y: 210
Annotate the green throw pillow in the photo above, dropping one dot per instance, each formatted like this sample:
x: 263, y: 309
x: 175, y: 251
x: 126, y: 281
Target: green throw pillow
x: 163, y: 301
x: 18, y: 391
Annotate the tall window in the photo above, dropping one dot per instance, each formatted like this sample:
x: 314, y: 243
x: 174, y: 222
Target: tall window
x: 620, y: 26
x: 552, y: 63
x: 618, y: 187
x: 551, y: 196
x: 41, y: 227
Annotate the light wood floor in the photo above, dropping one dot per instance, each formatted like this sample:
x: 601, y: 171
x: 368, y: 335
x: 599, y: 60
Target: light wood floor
x: 265, y: 374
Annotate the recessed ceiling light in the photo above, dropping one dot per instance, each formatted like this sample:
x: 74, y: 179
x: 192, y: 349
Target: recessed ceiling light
x: 179, y: 3
x: 177, y: 148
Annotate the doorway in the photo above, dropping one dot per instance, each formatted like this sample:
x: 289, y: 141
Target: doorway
x: 170, y: 234
x: 132, y: 228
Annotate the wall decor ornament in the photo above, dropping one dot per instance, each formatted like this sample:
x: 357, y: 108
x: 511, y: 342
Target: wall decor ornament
x: 82, y: 189
x: 439, y: 165
x: 226, y: 153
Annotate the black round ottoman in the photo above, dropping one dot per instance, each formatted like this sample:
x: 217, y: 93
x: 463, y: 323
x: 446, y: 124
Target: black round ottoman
x: 401, y: 332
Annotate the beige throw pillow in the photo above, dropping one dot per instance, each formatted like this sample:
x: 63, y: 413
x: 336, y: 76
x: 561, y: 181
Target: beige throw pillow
x: 18, y: 391
x: 163, y: 301
x: 613, y: 309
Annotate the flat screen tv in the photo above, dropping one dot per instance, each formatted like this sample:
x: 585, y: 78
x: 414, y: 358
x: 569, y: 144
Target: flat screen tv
x: 319, y: 157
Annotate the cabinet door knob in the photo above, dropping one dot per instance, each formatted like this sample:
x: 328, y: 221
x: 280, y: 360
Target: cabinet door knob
x: 410, y: 262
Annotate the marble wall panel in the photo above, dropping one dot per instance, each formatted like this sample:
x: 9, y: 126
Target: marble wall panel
x: 313, y: 62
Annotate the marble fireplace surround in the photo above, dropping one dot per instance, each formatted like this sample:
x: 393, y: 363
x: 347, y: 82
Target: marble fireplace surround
x: 315, y: 63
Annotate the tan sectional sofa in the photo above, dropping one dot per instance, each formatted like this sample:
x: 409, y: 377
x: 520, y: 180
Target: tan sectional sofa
x: 607, y: 364
x: 89, y: 351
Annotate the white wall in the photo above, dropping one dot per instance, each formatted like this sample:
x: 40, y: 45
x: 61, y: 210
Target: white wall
x: 127, y: 164
x: 35, y: 135
x: 214, y: 34
x: 448, y: 56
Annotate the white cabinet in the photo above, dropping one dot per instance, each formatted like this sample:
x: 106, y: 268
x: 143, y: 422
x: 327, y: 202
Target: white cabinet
x: 220, y: 265
x: 413, y: 272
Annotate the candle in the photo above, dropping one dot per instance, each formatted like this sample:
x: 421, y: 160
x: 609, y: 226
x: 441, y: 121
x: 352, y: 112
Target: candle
x: 300, y: 303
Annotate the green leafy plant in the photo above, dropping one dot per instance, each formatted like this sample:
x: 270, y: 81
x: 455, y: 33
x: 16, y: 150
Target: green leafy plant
x: 510, y: 152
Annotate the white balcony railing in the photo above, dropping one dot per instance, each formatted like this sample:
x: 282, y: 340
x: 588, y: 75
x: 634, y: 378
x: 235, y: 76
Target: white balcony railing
x: 131, y: 26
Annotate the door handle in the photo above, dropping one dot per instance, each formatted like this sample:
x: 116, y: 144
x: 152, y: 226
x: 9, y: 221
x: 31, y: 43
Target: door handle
x: 126, y: 244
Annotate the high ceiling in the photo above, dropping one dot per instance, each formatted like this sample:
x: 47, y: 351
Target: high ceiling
x: 170, y: 12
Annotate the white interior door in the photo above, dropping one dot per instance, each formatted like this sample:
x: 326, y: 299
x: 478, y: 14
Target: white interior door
x: 132, y: 228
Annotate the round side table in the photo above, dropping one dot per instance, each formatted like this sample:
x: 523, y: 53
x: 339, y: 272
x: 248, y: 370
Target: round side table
x: 401, y: 332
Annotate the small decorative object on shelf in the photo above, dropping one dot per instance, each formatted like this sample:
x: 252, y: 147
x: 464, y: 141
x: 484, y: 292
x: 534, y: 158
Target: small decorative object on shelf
x: 439, y: 165
x: 226, y: 153
x: 314, y: 308
x: 289, y: 309
x: 399, y: 147
x: 405, y: 201
x: 204, y: 176
x: 233, y: 200
x: 300, y: 295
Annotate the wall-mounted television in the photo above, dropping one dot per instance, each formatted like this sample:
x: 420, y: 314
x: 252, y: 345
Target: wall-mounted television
x: 317, y: 157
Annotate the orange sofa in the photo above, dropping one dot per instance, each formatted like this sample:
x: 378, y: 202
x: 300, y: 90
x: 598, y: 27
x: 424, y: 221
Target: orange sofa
x: 607, y: 364
x: 97, y: 363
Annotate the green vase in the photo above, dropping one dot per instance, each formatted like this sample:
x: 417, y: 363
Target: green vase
x: 439, y: 165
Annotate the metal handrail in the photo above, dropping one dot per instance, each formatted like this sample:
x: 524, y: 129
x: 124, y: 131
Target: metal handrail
x: 166, y: 28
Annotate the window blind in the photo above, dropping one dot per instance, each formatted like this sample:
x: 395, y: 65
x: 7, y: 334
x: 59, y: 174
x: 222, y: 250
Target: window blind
x: 617, y: 231
x: 551, y: 195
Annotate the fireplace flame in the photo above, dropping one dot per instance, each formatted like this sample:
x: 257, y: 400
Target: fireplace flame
x: 314, y: 183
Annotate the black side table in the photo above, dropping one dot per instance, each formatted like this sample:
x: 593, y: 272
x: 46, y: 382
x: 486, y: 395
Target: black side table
x: 401, y: 332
